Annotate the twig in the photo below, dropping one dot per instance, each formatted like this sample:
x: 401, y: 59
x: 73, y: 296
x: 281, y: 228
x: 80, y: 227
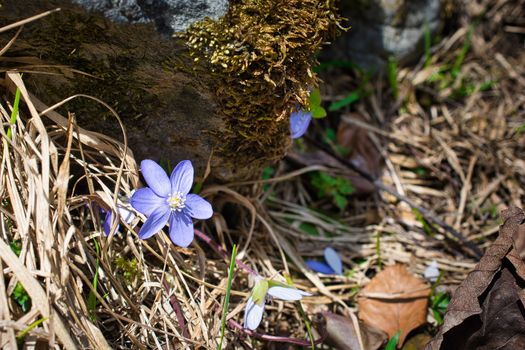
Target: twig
x: 274, y: 338
x: 27, y: 20
x: 472, y: 250
x: 178, y: 311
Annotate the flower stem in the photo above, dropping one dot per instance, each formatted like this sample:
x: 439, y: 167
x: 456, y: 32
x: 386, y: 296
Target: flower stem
x: 178, y: 311
x: 227, y: 296
x: 274, y: 338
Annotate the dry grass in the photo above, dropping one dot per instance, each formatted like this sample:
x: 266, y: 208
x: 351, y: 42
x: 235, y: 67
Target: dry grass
x: 463, y: 160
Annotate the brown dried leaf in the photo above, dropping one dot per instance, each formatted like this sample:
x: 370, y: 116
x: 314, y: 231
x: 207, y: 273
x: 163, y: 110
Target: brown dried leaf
x: 394, y: 300
x: 341, y: 333
x: 487, y: 310
x: 364, y: 153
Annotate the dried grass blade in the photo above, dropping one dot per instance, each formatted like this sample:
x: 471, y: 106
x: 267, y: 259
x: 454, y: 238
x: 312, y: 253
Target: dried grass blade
x: 37, y: 294
x: 27, y: 20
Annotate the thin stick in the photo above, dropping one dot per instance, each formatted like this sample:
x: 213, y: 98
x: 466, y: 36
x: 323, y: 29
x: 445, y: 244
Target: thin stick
x: 27, y: 20
x: 178, y: 311
x: 472, y: 249
x: 274, y: 338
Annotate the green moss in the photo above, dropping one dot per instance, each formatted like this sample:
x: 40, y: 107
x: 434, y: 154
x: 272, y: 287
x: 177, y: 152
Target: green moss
x: 261, y: 55
x: 128, y: 269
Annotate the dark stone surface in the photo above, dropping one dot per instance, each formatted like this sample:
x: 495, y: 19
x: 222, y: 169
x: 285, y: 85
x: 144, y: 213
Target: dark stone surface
x: 169, y: 16
x: 381, y: 28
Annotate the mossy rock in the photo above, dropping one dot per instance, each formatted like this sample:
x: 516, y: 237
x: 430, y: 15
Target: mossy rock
x: 222, y: 92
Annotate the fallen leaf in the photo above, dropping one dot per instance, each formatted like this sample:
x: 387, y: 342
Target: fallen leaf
x: 364, y: 153
x: 487, y: 309
x: 519, y: 241
x: 394, y: 300
x: 341, y: 333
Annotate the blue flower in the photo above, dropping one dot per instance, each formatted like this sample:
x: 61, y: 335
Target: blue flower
x: 257, y: 300
x: 332, y: 266
x: 299, y: 121
x: 123, y: 214
x: 167, y: 200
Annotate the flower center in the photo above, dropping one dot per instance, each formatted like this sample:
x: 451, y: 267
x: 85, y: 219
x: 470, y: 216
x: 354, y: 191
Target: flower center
x: 176, y: 201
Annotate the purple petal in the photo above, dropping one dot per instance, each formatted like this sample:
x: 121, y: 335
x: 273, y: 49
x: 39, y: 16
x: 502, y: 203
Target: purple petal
x: 156, y: 178
x: 333, y: 260
x: 108, y: 223
x: 182, y: 177
x: 155, y: 222
x: 253, y: 314
x: 181, y: 229
x: 288, y: 294
x: 299, y: 122
x: 145, y: 201
x: 126, y: 215
x: 321, y: 267
x: 197, y: 207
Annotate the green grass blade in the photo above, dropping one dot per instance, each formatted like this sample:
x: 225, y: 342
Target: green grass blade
x: 427, y: 41
x: 462, y: 54
x: 14, y: 113
x: 307, y: 323
x: 393, y: 341
x: 227, y: 296
x: 353, y: 97
x: 92, y: 301
x: 392, y: 76
x: 20, y: 336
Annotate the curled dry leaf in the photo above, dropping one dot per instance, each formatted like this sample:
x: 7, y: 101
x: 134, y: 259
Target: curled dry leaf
x: 487, y: 309
x: 341, y: 333
x: 394, y: 300
x: 363, y: 152
x: 356, y: 147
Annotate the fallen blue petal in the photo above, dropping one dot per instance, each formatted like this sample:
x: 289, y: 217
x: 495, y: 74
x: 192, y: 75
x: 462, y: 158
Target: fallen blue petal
x: 319, y: 266
x: 333, y: 260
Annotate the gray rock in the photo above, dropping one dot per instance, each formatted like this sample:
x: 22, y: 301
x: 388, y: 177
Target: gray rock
x: 169, y: 16
x: 383, y: 28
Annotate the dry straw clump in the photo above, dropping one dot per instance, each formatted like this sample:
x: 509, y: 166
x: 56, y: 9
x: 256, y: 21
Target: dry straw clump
x: 116, y: 292
x: 81, y: 288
